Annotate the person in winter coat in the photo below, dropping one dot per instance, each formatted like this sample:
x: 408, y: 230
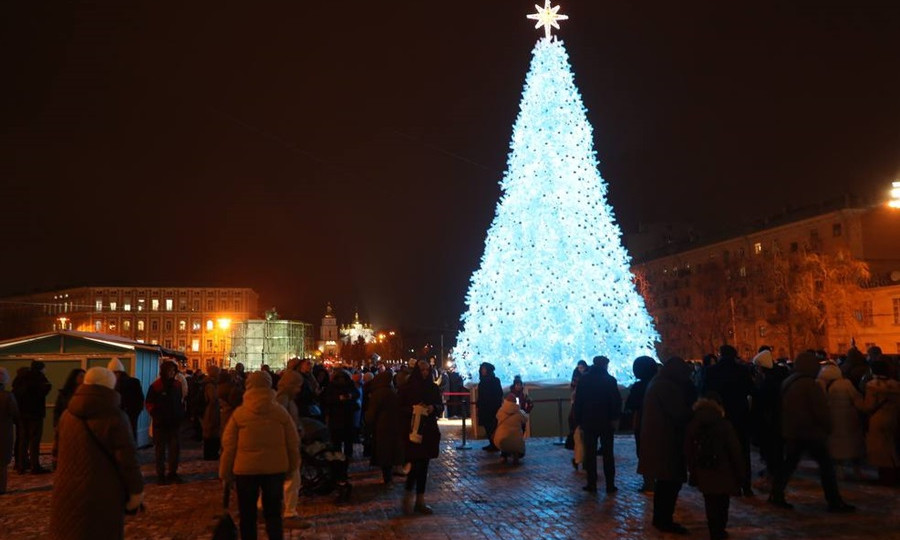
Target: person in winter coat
x: 419, y: 395
x: 644, y: 369
x: 598, y: 406
x: 129, y: 389
x: 73, y: 381
x: 31, y: 396
x: 211, y: 421
x: 845, y: 442
x: 490, y: 397
x: 98, y: 478
x: 260, y: 447
x: 715, y: 461
x: 509, y: 436
x: 882, y: 404
x: 805, y: 425
x: 521, y: 394
x: 288, y: 387
x: 9, y: 417
x: 667, y: 411
x: 765, y: 411
x: 383, y: 423
x: 340, y: 400
x: 854, y: 367
x: 166, y: 408
x: 732, y: 380
x: 308, y: 398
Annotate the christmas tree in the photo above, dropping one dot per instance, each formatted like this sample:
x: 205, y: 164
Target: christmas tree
x: 554, y: 285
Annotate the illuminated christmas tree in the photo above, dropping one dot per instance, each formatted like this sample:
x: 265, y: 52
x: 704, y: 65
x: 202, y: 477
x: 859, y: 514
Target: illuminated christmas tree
x: 554, y: 285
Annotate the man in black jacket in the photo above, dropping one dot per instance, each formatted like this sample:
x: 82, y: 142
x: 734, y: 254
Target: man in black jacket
x: 31, y: 394
x: 597, y: 407
x: 490, y: 398
x: 166, y: 408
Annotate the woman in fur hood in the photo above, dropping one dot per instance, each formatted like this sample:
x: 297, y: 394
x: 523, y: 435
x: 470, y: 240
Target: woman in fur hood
x: 715, y: 461
x: 509, y: 436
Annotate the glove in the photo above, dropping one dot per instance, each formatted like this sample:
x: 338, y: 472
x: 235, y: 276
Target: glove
x: 135, y: 503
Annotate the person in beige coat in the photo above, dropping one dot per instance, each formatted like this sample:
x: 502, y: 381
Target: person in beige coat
x: 845, y: 442
x: 508, y: 436
x: 883, y: 405
x: 260, y: 447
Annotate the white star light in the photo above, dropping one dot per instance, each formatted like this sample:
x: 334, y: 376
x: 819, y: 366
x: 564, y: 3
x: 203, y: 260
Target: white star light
x: 547, y: 16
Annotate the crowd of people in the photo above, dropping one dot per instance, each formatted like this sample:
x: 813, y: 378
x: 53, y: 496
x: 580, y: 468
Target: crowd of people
x: 695, y: 423
x: 700, y: 423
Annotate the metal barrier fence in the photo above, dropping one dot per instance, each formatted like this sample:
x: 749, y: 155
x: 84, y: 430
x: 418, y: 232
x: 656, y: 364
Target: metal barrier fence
x: 465, y: 406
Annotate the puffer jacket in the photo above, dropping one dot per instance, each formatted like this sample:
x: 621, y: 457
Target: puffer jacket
x: 260, y: 437
x: 88, y: 493
x: 509, y: 437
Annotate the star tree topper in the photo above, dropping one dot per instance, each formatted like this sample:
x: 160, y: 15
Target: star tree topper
x: 547, y: 16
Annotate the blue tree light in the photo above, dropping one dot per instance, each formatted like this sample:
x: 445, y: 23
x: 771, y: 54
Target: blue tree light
x: 554, y: 285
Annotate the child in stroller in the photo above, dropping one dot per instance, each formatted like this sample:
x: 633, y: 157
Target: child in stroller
x: 323, y: 467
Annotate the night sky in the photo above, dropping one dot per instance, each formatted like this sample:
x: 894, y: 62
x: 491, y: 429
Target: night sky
x: 351, y: 151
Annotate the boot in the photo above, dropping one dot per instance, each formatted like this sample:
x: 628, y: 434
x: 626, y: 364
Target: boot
x: 421, y: 507
x: 408, y: 502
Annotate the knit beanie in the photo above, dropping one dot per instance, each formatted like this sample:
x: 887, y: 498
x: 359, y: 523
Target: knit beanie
x: 258, y: 379
x: 100, y: 376
x: 115, y: 365
x: 764, y: 359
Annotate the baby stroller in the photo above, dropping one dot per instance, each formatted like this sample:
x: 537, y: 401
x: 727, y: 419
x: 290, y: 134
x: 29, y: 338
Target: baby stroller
x: 323, y: 468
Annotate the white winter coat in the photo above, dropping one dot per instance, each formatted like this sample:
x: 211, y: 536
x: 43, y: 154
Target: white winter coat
x: 509, y: 436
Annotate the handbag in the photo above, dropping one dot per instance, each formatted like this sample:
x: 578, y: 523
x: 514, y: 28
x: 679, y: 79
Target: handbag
x: 225, y: 528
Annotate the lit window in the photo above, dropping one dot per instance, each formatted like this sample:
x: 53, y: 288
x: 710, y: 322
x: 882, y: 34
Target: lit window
x: 169, y: 304
x: 112, y: 306
x: 209, y: 325
x: 195, y: 326
x: 743, y: 271
x: 757, y: 248
x: 181, y: 345
x: 112, y: 326
x: 139, y: 340
x: 140, y: 326
x: 195, y: 345
x: 126, y: 306
x: 126, y: 325
x: 98, y: 326
x: 154, y: 304
x: 182, y: 325
x: 154, y: 342
x: 140, y: 304
x: 98, y: 305
x: 762, y: 331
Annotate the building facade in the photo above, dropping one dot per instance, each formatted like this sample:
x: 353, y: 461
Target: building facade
x: 194, y: 320
x: 792, y: 285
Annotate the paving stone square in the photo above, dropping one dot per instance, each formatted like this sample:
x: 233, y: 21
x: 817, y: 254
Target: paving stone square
x: 475, y: 496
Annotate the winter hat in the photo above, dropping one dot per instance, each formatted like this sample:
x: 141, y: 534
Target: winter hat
x: 290, y: 380
x: 258, y: 379
x: 4, y: 376
x: 764, y: 359
x: 830, y: 372
x: 115, y: 365
x: 101, y: 377
x: 806, y: 364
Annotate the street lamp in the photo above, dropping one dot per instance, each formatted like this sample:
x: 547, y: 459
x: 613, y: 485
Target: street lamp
x: 895, y: 195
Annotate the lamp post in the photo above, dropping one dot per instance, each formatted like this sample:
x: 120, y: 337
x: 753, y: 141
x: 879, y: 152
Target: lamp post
x: 895, y: 195
x: 223, y: 324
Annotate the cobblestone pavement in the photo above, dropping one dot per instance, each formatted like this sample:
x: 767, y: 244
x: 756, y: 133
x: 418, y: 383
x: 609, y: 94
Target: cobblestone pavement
x: 476, y: 496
